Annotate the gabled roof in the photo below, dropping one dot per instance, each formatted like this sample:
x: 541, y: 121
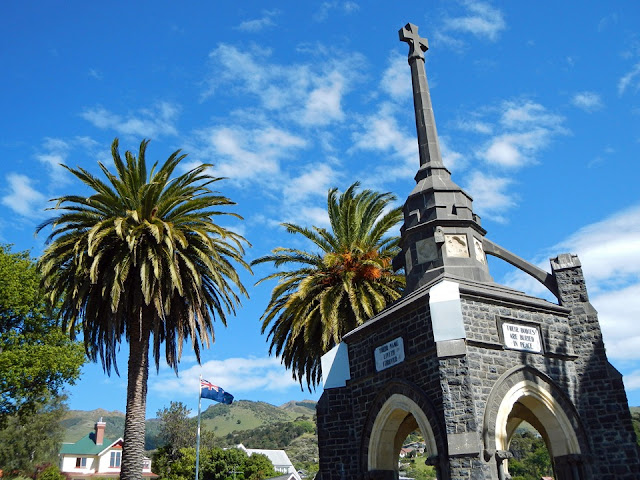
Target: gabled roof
x: 277, y: 457
x: 87, y: 446
x: 290, y: 476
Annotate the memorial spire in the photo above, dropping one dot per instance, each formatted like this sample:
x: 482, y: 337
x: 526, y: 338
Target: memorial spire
x: 428, y: 146
x: 441, y: 234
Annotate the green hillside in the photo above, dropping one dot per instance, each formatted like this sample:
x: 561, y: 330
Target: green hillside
x: 247, y: 415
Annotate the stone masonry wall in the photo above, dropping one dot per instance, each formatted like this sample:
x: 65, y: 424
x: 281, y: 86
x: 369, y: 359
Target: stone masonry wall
x: 601, y: 399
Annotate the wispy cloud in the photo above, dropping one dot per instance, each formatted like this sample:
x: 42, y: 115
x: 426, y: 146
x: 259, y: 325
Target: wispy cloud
x: 344, y: 7
x: 587, y: 101
x: 258, y: 24
x: 480, y: 19
x: 147, y: 123
x: 630, y: 80
x: 396, y: 79
x: 247, y: 155
x: 381, y: 133
x: 236, y: 375
x: 307, y: 94
x: 22, y: 197
x: 490, y: 195
x: 528, y: 127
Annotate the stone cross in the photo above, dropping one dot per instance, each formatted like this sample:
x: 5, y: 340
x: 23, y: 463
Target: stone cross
x: 409, y: 34
x: 428, y: 146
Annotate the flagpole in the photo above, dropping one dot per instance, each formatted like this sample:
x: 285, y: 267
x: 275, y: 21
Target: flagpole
x: 198, y: 434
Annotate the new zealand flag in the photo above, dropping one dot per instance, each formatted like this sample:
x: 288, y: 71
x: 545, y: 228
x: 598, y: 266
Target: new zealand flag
x: 213, y: 392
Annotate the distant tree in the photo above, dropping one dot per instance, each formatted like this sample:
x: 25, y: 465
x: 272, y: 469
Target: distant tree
x: 177, y: 430
x: 531, y: 458
x: 142, y: 260
x: 258, y: 467
x: 328, y: 292
x: 37, y: 359
x: 30, y: 440
x: 215, y: 464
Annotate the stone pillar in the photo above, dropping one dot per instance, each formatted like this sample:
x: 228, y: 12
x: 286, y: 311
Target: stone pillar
x: 339, y: 460
x: 600, y: 397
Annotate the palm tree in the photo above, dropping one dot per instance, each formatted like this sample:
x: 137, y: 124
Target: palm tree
x: 330, y: 292
x: 142, y: 260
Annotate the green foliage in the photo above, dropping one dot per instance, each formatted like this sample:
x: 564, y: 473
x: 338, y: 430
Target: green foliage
x: 36, y: 358
x: 52, y: 472
x: 276, y: 436
x: 215, y: 464
x: 331, y: 291
x: 417, y: 469
x: 635, y: 419
x: 141, y: 260
x: 530, y: 457
x: 27, y: 441
x: 177, y: 430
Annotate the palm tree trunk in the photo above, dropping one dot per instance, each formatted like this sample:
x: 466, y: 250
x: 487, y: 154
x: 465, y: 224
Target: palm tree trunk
x: 134, y: 425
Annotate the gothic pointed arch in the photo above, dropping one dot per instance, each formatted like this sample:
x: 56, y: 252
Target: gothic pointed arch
x: 397, y: 411
x: 525, y: 394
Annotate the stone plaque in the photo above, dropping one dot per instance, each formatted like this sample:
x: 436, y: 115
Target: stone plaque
x: 389, y: 354
x: 480, y: 256
x: 521, y: 337
x: 456, y: 245
x: 427, y: 250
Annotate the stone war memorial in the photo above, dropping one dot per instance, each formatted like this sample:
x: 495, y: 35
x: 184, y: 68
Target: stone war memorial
x: 465, y: 360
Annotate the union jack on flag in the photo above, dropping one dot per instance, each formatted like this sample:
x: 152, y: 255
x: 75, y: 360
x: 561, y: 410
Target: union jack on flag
x: 213, y: 392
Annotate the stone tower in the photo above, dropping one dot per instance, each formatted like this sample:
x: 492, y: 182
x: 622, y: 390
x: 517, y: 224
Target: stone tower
x: 466, y: 360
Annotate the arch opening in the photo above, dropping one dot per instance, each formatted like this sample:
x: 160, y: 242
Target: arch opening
x: 528, y: 403
x: 398, y: 419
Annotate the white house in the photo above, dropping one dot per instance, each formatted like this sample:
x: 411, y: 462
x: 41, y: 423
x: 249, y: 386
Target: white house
x: 278, y: 458
x: 95, y: 455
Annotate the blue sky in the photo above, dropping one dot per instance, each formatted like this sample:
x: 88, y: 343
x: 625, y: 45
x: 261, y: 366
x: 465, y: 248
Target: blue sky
x: 537, y: 108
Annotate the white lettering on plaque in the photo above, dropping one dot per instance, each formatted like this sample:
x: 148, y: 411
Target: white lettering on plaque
x: 521, y: 337
x: 389, y: 354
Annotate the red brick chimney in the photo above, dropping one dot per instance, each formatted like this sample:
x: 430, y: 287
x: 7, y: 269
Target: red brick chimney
x: 100, y: 426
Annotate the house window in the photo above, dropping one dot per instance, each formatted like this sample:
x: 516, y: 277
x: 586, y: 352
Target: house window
x: 81, y: 462
x: 146, y: 464
x: 114, y: 462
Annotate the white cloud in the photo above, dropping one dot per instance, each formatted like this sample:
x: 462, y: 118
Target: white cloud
x: 481, y: 20
x: 587, y: 101
x: 489, y: 194
x: 451, y: 158
x: 530, y: 128
x: 344, y: 7
x: 317, y: 180
x: 607, y: 250
x: 618, y: 315
x: 243, y: 154
x: 475, y: 126
x: 632, y: 380
x: 380, y: 133
x: 236, y: 375
x: 396, y: 79
x: 147, y: 123
x: 630, y: 79
x: 324, y: 103
x: 259, y: 24
x: 307, y: 94
x: 22, y: 197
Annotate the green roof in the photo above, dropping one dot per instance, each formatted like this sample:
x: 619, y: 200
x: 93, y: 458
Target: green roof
x: 85, y: 446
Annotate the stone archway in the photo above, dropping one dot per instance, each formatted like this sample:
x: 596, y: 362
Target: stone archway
x: 524, y: 394
x: 396, y: 412
x: 398, y: 417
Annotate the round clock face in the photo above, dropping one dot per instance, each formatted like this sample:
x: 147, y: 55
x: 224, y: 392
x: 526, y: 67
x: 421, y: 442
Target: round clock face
x: 456, y: 245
